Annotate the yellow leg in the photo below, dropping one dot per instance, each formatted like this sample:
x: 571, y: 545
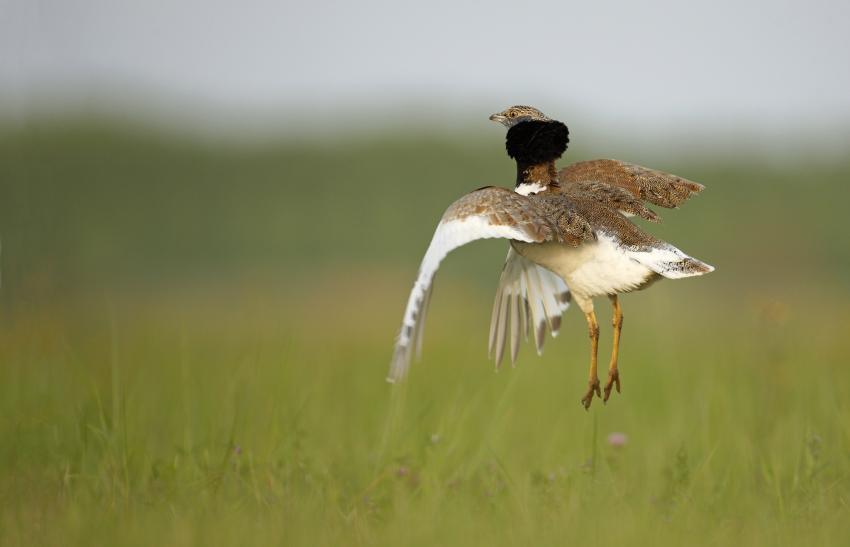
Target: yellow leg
x: 613, y: 373
x: 593, y: 380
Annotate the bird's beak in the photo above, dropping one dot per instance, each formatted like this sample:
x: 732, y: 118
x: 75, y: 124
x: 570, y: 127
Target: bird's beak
x: 497, y: 118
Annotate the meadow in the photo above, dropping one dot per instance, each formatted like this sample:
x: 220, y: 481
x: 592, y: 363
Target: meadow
x: 194, y: 337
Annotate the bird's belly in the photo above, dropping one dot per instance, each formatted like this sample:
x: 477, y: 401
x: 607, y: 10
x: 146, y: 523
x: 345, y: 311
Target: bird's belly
x: 591, y: 269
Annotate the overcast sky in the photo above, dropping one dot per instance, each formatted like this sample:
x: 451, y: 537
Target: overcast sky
x: 651, y: 62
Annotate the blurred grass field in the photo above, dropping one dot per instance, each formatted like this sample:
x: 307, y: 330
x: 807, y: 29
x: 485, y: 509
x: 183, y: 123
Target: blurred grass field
x: 194, y: 338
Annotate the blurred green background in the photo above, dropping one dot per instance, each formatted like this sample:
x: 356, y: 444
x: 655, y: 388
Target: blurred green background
x: 195, y: 335
x: 211, y: 214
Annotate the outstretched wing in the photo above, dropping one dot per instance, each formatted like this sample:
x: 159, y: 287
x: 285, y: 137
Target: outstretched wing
x: 485, y: 213
x: 657, y: 187
x: 529, y: 297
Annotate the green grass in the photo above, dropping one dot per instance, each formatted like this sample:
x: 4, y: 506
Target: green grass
x: 193, y: 347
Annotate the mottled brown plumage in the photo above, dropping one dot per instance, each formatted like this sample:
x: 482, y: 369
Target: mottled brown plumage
x: 573, y: 226
x: 656, y: 187
x: 610, y: 196
x: 545, y: 217
x: 545, y: 173
x: 561, y: 217
x: 605, y: 217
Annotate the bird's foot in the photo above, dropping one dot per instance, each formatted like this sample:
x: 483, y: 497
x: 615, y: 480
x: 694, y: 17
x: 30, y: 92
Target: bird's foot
x: 613, y: 381
x: 592, y: 387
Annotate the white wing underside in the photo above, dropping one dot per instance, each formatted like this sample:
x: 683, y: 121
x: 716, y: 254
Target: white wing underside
x: 529, y: 297
x: 450, y: 235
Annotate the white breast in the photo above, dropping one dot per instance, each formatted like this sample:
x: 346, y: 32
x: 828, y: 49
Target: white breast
x: 591, y: 269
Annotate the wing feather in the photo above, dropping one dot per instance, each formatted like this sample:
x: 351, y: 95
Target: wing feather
x: 541, y: 296
x: 550, y: 304
x: 494, y: 323
x: 485, y: 213
x: 420, y: 330
x: 514, y: 325
x: 501, y: 330
x: 657, y: 187
x: 613, y: 196
x: 524, y: 309
x: 537, y: 309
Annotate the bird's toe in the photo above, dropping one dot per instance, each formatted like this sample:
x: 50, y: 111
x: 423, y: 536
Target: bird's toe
x: 613, y: 382
x: 592, y: 389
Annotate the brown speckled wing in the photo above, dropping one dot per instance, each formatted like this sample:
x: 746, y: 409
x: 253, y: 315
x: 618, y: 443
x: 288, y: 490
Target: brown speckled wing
x: 503, y: 207
x: 657, y: 187
x: 574, y: 226
x: 613, y: 196
x: 483, y: 214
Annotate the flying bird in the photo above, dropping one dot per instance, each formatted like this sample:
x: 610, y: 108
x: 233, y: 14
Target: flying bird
x: 570, y: 239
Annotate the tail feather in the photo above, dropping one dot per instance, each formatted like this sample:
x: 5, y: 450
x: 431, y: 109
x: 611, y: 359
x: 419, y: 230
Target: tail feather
x: 671, y: 263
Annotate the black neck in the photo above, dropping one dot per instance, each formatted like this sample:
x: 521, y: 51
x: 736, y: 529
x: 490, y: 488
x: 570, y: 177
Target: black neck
x: 536, y: 145
x: 536, y: 142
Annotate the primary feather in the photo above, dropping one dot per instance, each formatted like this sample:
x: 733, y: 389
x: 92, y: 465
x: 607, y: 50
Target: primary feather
x: 537, y: 300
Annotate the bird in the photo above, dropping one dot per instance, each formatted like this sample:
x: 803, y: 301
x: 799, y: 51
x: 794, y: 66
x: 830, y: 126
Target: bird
x: 570, y: 240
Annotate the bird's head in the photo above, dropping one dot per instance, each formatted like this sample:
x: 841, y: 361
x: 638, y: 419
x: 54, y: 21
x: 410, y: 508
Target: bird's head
x: 516, y: 114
